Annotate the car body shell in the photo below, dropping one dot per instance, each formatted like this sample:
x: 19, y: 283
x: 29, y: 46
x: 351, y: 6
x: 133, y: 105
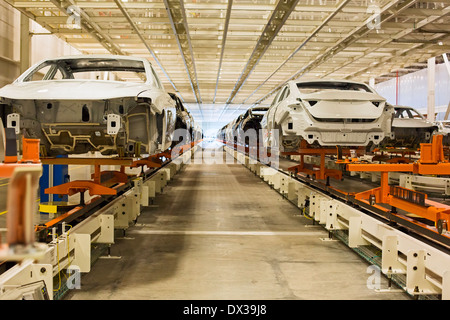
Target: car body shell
x: 184, y: 125
x: 338, y: 113
x: 444, y: 129
x: 248, y: 129
x: 410, y: 128
x: 72, y: 116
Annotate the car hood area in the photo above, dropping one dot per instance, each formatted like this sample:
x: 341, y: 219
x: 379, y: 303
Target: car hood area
x: 72, y: 89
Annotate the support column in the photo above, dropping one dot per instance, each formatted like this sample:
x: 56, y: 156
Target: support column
x: 25, y: 47
x: 431, y: 86
x: 447, y: 63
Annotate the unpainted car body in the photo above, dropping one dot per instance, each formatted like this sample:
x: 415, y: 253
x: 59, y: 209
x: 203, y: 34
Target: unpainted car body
x: 326, y: 113
x: 233, y: 129
x: 197, y: 133
x: 85, y: 103
x: 221, y: 133
x: 444, y: 129
x: 410, y: 128
x: 250, y: 126
x: 229, y: 135
x: 184, y: 125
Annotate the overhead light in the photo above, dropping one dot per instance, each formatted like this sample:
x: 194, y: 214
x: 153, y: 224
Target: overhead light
x: 440, y: 43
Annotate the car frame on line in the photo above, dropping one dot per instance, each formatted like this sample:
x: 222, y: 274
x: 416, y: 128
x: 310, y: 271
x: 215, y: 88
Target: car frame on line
x: 326, y: 113
x: 76, y: 104
x: 410, y: 128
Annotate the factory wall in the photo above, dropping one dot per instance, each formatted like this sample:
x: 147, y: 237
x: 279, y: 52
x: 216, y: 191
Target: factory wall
x: 413, y: 90
x: 41, y: 46
x: 48, y: 46
x: 9, y: 43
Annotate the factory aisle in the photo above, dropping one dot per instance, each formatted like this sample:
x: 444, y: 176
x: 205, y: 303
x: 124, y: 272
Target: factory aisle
x: 219, y: 232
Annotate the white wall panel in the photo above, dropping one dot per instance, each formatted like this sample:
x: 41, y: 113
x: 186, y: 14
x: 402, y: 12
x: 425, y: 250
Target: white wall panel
x: 48, y: 46
x: 9, y: 43
x: 413, y: 90
x: 42, y: 46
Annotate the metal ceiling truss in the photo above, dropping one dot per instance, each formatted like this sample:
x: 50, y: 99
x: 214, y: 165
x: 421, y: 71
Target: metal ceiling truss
x: 276, y: 21
x: 273, y: 26
x: 70, y: 8
x: 144, y: 41
x: 222, y: 47
x: 385, y: 14
x: 177, y: 15
x: 308, y: 38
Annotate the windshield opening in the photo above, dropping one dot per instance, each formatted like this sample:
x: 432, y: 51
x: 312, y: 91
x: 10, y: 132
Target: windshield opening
x: 403, y: 113
x: 259, y: 111
x: 312, y: 87
x: 90, y: 69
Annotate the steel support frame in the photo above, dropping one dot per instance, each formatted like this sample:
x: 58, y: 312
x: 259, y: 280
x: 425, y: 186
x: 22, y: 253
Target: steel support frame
x: 293, y: 53
x: 91, y: 27
x: 25, y: 43
x: 276, y: 21
x: 222, y: 49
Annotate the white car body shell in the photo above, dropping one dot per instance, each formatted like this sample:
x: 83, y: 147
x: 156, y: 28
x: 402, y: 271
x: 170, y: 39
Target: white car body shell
x: 415, y: 120
x: 327, y: 118
x: 410, y: 128
x: 66, y: 91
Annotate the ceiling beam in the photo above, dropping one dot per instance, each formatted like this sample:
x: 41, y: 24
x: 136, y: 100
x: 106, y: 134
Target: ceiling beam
x: 141, y: 37
x: 399, y: 56
x: 177, y: 16
x: 397, y: 37
x: 68, y: 6
x: 311, y: 36
x: 389, y: 11
x: 222, y: 49
x: 279, y: 16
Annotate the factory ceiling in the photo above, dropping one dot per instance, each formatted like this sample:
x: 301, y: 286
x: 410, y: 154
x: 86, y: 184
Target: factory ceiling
x: 219, y: 54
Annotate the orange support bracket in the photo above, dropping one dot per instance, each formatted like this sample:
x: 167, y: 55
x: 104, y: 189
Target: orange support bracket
x: 150, y: 162
x: 431, y: 153
x: 153, y: 161
x: 80, y: 186
x: 111, y: 176
x: 431, y: 162
x: 98, y: 176
x: 319, y: 172
x: 30, y: 151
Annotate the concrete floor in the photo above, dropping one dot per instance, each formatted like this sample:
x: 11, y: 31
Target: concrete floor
x: 219, y: 232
